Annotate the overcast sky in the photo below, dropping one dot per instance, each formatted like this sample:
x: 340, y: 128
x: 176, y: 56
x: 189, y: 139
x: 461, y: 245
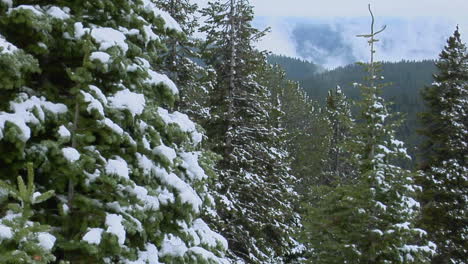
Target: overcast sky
x: 417, y: 29
x: 353, y: 8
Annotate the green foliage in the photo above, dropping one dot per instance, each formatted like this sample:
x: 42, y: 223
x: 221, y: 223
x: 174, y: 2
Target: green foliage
x: 295, y: 69
x: 443, y: 154
x: 338, y: 167
x: 405, y: 78
x: 254, y: 198
x: 24, y: 240
x: 372, y: 219
x: 86, y: 106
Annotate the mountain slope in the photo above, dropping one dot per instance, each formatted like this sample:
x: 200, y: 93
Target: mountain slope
x: 406, y: 79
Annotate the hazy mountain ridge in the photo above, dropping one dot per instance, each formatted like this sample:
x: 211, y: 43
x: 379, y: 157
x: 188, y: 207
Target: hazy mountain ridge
x: 405, y: 79
x: 332, y: 42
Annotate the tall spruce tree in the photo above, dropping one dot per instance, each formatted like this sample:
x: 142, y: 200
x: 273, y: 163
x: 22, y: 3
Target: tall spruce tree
x: 304, y: 124
x: 81, y: 100
x: 254, y: 193
x: 371, y: 220
x: 181, y: 60
x: 338, y: 165
x: 444, y: 154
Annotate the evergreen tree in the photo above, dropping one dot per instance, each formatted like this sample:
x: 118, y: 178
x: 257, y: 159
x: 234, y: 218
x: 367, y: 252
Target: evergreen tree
x: 254, y: 194
x: 371, y: 220
x: 338, y: 167
x: 25, y: 241
x: 444, y: 152
x: 81, y: 100
x: 307, y: 132
x: 181, y: 60
x: 407, y: 78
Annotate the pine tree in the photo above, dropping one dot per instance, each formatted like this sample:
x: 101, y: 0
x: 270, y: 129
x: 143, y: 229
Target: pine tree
x: 254, y: 194
x: 181, y: 60
x: 305, y: 126
x: 338, y: 168
x: 444, y: 165
x: 81, y: 100
x: 283, y: 94
x: 25, y: 241
x: 371, y: 220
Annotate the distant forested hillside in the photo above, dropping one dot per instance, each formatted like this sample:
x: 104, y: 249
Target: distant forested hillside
x: 296, y: 69
x: 406, y: 79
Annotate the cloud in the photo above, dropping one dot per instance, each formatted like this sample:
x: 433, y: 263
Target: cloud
x: 404, y: 38
x: 279, y: 39
x: 417, y: 29
x: 333, y: 42
x: 355, y: 8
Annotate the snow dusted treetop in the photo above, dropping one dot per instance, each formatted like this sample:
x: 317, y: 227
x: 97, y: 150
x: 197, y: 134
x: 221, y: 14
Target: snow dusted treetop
x: 444, y: 155
x: 254, y: 192
x: 371, y: 220
x: 81, y: 99
x: 392, y: 208
x: 340, y: 121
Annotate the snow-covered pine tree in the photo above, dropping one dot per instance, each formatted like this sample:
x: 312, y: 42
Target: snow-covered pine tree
x: 335, y: 166
x: 82, y: 101
x: 180, y: 60
x: 22, y: 240
x: 274, y: 79
x: 306, y: 126
x: 254, y: 195
x: 338, y: 165
x: 373, y: 219
x: 444, y: 154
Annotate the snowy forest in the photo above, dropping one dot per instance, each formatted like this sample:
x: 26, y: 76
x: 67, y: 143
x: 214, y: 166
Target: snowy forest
x: 155, y: 131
